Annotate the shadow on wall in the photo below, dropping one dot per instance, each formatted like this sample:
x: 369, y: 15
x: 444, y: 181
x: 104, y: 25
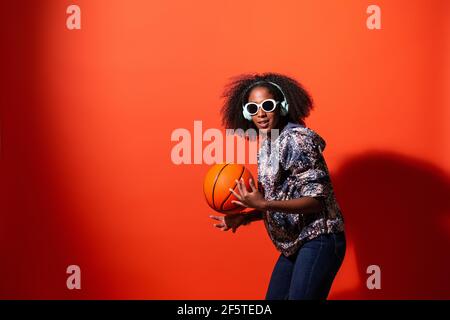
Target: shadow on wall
x: 396, y: 209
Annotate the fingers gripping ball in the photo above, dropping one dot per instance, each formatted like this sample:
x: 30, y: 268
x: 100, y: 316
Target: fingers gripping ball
x: 218, y: 181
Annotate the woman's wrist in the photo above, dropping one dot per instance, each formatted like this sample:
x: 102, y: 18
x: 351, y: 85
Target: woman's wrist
x: 263, y: 205
x: 253, y: 215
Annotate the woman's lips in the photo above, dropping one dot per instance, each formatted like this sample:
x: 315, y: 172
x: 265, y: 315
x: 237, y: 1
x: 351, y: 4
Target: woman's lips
x: 264, y: 124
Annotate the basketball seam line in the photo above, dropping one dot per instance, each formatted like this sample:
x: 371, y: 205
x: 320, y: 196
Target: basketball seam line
x: 214, y: 185
x: 235, y: 184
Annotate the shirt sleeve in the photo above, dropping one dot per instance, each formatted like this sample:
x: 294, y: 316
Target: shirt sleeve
x: 303, y: 163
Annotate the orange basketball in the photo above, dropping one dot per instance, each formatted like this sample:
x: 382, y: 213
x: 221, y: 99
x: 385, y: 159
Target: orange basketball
x: 218, y: 180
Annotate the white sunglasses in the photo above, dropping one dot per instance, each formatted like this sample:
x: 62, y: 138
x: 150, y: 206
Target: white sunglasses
x: 267, y: 105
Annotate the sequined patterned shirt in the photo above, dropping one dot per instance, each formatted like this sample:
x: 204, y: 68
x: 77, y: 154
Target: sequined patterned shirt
x: 292, y: 166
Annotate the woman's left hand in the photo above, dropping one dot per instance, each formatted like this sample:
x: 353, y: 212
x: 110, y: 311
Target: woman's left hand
x: 248, y: 198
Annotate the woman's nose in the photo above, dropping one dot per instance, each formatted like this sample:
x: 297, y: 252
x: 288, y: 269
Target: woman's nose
x: 261, y: 113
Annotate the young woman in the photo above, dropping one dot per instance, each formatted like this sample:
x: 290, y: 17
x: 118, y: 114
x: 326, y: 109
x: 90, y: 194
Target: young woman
x: 294, y: 196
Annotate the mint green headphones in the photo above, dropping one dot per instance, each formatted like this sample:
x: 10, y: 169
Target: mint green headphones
x: 284, y: 104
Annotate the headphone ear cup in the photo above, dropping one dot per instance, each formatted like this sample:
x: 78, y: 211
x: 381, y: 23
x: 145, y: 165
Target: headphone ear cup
x: 247, y: 115
x: 284, y: 108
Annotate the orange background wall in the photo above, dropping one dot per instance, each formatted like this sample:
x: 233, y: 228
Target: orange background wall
x: 86, y: 119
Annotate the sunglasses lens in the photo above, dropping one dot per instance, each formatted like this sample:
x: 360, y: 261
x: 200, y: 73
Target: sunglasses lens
x: 252, y: 108
x: 268, y: 106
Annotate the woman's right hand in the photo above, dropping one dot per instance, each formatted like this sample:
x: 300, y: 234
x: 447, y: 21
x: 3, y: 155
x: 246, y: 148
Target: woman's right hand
x: 230, y: 221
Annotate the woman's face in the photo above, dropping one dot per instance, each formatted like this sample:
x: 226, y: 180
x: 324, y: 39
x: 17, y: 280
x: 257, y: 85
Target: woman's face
x: 264, y: 121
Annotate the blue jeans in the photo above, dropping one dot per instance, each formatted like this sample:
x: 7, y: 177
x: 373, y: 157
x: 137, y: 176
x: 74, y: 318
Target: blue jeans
x: 309, y: 273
